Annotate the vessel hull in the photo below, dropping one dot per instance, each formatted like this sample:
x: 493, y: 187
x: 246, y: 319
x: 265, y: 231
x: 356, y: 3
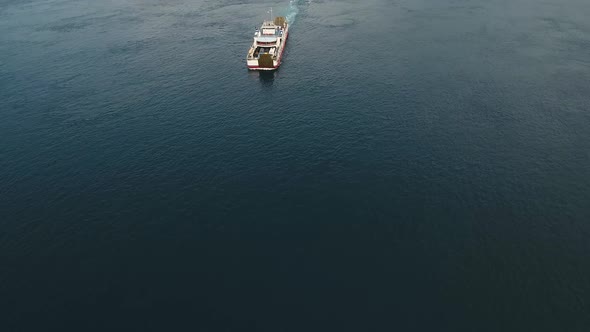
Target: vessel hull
x: 253, y: 64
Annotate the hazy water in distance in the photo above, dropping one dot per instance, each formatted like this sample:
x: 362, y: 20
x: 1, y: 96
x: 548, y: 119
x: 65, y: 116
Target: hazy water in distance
x: 414, y: 165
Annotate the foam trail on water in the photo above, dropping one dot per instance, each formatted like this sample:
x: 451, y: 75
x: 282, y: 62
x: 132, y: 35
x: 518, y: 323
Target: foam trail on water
x: 292, y: 12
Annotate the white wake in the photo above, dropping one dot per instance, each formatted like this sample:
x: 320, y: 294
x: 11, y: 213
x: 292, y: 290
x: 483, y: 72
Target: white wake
x: 292, y: 11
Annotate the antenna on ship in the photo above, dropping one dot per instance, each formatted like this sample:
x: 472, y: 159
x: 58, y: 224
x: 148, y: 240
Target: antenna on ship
x: 270, y: 11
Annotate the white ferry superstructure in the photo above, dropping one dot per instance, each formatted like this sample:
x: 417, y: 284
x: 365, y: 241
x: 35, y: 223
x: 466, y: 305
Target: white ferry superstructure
x: 269, y: 44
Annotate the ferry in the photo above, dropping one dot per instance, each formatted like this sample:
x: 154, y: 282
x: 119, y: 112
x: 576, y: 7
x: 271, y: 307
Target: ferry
x: 267, y: 49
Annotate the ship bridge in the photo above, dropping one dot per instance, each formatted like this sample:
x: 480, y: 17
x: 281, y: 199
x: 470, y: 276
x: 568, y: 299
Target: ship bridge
x: 266, y: 40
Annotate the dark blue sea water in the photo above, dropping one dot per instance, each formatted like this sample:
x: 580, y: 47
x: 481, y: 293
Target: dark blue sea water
x: 414, y: 165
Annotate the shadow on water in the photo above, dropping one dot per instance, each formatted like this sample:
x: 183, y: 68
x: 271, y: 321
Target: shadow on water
x: 267, y: 78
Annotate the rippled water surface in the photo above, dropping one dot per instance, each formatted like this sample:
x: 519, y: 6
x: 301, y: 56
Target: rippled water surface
x: 414, y: 165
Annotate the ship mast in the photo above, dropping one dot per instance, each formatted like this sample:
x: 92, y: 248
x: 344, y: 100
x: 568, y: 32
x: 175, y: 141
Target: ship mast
x: 271, y: 19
